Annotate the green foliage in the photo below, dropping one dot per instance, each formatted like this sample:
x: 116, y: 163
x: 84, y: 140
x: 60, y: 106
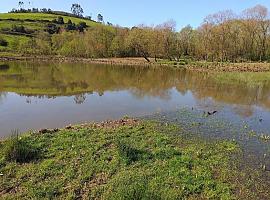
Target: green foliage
x: 19, y: 149
x: 60, y: 20
x: 52, y: 28
x: 3, y: 42
x: 19, y: 29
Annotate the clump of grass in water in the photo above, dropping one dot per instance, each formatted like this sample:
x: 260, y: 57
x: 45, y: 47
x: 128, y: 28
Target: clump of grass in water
x: 17, y: 149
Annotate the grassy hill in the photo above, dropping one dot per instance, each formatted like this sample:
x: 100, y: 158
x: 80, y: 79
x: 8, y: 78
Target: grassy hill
x: 32, y: 23
x: 7, y: 19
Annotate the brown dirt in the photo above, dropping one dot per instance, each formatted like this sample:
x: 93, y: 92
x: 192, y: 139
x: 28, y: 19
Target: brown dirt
x: 110, y: 124
x: 133, y: 61
x: 231, y: 67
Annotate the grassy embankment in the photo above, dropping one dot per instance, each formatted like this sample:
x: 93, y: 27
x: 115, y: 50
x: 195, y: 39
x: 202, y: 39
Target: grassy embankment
x: 118, y: 160
x: 205, y: 66
x: 32, y: 22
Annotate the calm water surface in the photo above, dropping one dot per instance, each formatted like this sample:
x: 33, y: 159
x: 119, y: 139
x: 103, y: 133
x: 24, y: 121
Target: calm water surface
x: 48, y: 95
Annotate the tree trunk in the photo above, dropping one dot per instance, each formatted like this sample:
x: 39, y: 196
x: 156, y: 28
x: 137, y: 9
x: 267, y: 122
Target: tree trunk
x: 146, y: 58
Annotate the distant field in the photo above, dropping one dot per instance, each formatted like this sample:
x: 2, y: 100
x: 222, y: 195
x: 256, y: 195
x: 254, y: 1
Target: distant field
x: 32, y: 22
x: 44, y: 16
x: 30, y: 25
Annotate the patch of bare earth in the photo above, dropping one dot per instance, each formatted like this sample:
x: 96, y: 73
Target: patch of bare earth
x: 109, y: 124
x: 232, y: 67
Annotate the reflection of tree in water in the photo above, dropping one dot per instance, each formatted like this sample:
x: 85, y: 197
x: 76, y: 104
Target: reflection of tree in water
x: 28, y: 100
x: 80, y: 98
x: 244, y: 110
x: 2, y: 96
x: 52, y: 80
x: 208, y: 104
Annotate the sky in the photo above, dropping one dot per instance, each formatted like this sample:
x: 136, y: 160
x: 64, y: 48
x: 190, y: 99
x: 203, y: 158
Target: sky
x: 149, y: 12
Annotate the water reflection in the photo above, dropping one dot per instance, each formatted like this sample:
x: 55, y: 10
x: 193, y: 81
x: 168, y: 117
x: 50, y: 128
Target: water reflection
x: 131, y: 89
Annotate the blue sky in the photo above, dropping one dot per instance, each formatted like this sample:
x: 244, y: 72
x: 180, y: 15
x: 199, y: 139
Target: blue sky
x: 129, y: 13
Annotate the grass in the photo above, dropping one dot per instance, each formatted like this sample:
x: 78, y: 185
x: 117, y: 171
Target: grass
x: 18, y: 149
x: 13, y: 41
x: 143, y: 161
x: 248, y: 78
x: 33, y: 24
x: 43, y: 16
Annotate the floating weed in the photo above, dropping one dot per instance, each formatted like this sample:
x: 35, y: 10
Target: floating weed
x: 264, y: 137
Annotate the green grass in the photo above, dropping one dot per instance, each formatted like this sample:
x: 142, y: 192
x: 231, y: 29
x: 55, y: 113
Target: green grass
x: 29, y: 25
x: 145, y: 161
x: 8, y: 20
x: 43, y: 16
x: 13, y: 41
x: 247, y: 78
x: 17, y: 149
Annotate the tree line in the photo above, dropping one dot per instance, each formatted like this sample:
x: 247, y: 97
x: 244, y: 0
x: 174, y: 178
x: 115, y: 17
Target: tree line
x: 223, y: 36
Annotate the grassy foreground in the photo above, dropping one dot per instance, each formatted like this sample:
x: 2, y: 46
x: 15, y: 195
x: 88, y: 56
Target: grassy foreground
x: 126, y: 159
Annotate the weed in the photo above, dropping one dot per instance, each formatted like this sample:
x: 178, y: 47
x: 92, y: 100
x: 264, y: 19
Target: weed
x: 18, y: 149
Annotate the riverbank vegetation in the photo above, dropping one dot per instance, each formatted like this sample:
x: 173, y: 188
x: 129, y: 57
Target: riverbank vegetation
x: 222, y: 37
x: 125, y: 159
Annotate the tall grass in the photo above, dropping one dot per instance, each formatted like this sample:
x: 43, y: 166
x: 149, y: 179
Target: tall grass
x: 19, y: 149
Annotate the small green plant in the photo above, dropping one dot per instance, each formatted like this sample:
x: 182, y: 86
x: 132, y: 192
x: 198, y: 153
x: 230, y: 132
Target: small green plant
x: 18, y: 149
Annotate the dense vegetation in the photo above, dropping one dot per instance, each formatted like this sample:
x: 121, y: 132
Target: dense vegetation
x: 223, y: 36
x: 136, y: 161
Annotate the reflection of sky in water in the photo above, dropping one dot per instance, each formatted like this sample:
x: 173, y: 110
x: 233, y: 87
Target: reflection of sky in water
x: 24, y: 113
x: 118, y: 91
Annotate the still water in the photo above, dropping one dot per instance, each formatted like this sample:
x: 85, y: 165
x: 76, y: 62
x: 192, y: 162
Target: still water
x: 49, y: 95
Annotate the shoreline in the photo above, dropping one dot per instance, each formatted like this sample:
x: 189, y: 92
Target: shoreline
x: 200, y: 66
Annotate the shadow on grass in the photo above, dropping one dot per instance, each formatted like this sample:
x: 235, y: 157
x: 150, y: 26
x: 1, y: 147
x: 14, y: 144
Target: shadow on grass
x: 130, y: 154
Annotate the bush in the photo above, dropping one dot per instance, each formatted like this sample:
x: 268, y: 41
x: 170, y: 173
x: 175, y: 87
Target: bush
x: 3, y: 42
x: 19, y: 150
x: 81, y: 26
x: 18, y: 29
x: 60, y: 20
x: 70, y: 26
x: 52, y: 28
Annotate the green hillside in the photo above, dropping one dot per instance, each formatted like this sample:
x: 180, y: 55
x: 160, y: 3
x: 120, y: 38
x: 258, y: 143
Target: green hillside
x: 21, y: 18
x: 21, y: 27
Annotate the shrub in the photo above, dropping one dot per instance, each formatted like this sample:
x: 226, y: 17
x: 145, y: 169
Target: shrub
x: 19, y: 149
x: 3, y: 42
x: 70, y: 26
x: 60, y: 20
x: 52, y: 28
x: 18, y: 29
x: 81, y: 26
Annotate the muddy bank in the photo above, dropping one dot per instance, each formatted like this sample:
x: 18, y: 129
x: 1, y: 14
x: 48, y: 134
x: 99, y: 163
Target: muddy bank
x: 195, y: 66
